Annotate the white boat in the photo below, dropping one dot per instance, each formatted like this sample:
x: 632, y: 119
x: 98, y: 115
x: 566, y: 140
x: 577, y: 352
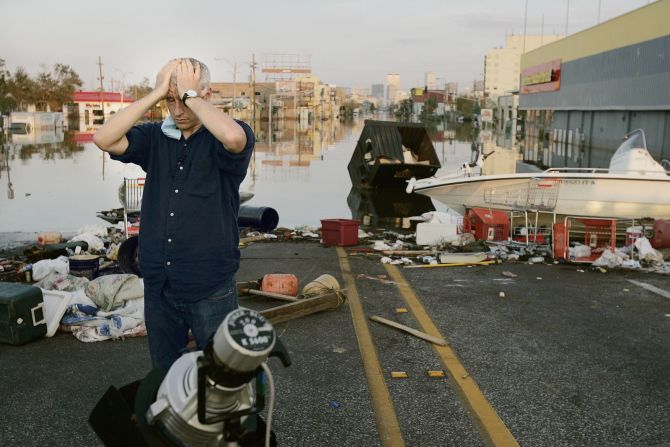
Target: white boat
x: 634, y: 186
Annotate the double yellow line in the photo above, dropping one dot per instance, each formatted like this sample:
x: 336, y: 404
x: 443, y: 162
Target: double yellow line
x: 487, y: 420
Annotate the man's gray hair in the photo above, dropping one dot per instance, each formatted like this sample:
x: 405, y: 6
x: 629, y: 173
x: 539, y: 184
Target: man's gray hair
x: 204, y: 73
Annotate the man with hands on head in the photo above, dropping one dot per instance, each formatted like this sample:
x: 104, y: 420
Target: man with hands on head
x: 195, y: 161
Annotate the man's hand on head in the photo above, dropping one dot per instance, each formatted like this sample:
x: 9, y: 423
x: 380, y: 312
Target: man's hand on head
x: 188, y: 77
x: 163, y: 77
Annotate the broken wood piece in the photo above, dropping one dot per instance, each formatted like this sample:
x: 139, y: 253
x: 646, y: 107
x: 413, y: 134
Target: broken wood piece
x: 399, y: 375
x: 416, y: 333
x: 453, y: 264
x: 277, y: 296
x: 307, y: 306
x: 244, y: 286
x: 408, y: 252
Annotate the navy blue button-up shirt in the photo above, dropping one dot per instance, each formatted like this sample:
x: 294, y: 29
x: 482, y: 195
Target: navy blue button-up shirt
x: 188, y: 230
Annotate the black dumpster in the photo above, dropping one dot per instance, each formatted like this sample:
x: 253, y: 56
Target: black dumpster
x: 388, y: 154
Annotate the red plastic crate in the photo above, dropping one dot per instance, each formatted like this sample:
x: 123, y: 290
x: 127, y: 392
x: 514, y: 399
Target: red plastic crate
x: 342, y: 232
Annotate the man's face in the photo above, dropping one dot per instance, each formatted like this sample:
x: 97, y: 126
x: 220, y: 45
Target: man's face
x: 182, y: 115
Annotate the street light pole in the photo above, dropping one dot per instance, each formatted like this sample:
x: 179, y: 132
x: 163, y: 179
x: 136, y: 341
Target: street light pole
x: 123, y: 83
x: 234, y: 65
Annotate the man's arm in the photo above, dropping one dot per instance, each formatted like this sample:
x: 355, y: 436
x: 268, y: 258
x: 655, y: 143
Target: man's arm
x: 223, y: 127
x: 111, y: 137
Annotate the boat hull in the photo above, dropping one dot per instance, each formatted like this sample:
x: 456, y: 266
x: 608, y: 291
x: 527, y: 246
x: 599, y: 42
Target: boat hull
x: 589, y: 195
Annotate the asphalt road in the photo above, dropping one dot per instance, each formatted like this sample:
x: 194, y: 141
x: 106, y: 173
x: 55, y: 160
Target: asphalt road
x: 565, y: 358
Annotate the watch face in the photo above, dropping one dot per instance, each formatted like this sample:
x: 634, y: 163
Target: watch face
x: 191, y: 93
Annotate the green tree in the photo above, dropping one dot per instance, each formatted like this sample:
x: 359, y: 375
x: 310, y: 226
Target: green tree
x: 429, y: 107
x: 67, y: 81
x: 405, y: 109
x: 50, y: 89
x: 6, y: 100
x: 22, y: 89
x: 139, y: 91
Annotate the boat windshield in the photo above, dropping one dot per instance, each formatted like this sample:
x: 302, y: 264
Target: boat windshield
x: 634, y: 140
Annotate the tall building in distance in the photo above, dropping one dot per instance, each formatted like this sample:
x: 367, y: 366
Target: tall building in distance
x: 378, y: 91
x: 392, y: 87
x: 501, y: 65
x: 431, y: 80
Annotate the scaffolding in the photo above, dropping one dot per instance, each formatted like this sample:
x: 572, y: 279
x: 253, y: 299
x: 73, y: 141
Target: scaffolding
x: 280, y: 66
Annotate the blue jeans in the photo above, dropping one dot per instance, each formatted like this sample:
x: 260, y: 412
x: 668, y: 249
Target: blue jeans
x: 168, y: 320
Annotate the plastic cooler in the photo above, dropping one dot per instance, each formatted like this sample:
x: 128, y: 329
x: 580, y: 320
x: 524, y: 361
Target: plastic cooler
x: 22, y: 316
x: 342, y: 232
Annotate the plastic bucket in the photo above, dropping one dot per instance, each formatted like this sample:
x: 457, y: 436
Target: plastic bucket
x: 283, y: 283
x: 87, y: 266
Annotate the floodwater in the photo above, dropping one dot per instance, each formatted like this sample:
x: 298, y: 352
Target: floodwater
x: 55, y: 181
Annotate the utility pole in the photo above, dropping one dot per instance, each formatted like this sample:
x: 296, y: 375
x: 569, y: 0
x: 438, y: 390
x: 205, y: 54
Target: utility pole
x: 102, y: 89
x: 253, y: 90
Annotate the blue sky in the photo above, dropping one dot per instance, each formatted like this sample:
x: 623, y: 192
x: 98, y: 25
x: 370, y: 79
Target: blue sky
x: 352, y: 43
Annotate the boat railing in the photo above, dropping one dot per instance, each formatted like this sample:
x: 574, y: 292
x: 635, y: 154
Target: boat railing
x: 533, y: 194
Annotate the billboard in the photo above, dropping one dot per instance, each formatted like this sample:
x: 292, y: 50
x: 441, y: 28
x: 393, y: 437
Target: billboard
x: 541, y: 78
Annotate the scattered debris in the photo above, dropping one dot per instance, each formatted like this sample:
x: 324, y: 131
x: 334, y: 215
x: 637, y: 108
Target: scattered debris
x: 430, y: 373
x: 400, y: 310
x: 509, y: 274
x: 501, y: 294
x: 399, y: 375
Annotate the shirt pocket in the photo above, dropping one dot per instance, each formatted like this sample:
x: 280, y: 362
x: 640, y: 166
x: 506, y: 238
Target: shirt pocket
x: 204, y: 179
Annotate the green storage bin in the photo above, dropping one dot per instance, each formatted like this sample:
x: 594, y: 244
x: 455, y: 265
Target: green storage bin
x: 22, y: 316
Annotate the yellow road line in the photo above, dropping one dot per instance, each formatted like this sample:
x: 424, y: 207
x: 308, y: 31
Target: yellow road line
x: 485, y: 417
x: 387, y: 420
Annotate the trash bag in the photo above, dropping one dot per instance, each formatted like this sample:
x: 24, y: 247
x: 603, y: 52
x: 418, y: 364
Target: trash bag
x: 608, y: 259
x: 42, y: 269
x: 647, y: 252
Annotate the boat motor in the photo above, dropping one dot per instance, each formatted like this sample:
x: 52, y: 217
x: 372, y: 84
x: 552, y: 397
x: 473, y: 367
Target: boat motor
x: 207, y: 398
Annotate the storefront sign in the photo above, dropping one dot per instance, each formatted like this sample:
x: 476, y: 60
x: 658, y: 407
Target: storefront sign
x: 541, y: 78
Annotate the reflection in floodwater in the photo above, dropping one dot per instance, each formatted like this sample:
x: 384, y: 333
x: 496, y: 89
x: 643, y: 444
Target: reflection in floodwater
x: 58, y: 184
x: 387, y: 207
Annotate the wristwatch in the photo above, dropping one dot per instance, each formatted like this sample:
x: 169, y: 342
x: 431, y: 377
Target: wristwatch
x: 189, y: 94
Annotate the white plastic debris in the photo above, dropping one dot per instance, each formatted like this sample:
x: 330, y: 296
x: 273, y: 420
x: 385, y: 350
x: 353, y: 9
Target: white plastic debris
x: 579, y: 251
x: 432, y: 234
x: 608, y: 259
x: 631, y: 264
x: 439, y: 217
x: 93, y: 241
x: 647, y: 252
x: 42, y: 269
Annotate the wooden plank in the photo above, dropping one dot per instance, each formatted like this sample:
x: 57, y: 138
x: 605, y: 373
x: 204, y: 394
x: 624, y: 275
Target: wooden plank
x: 302, y: 307
x: 244, y: 286
x: 409, y: 330
x: 277, y: 296
x: 452, y: 264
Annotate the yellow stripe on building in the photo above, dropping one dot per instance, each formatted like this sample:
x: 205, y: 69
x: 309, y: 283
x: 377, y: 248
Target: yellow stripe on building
x: 643, y: 24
